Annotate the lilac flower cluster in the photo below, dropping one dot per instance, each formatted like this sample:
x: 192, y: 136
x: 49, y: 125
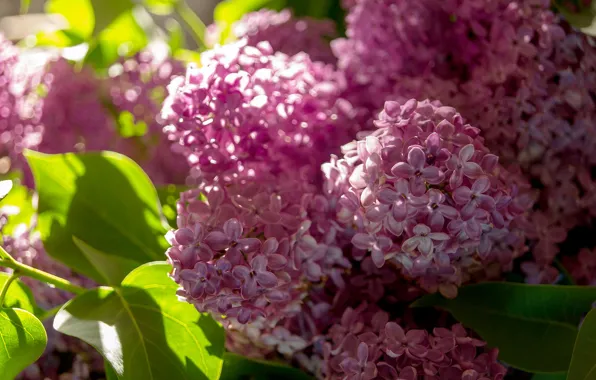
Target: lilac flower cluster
x: 25, y: 246
x: 248, y: 110
x: 19, y: 128
x: 275, y: 238
x: 255, y: 126
x: 423, y: 193
x: 285, y: 33
x: 366, y: 344
x: 513, y: 69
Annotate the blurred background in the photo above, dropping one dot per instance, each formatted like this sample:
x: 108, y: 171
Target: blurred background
x: 15, y: 26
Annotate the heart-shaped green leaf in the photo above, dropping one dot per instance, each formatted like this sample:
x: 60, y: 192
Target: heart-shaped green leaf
x: 23, y: 341
x: 142, y: 329
x: 18, y: 206
x: 103, y: 199
x: 534, y: 326
x: 583, y: 361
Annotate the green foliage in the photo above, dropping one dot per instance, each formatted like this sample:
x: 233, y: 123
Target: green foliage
x: 578, y: 14
x: 176, y: 39
x: 24, y: 340
x: 534, y: 326
x: 112, y: 268
x: 237, y: 367
x: 103, y: 199
x: 583, y: 361
x: 107, y: 11
x: 128, y: 127
x: 168, y: 196
x: 143, y: 331
x: 18, y: 295
x: 161, y: 7
x: 123, y: 37
x: 229, y: 11
x: 550, y: 376
x: 78, y: 13
x: 18, y: 205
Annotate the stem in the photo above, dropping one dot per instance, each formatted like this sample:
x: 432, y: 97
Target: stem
x: 14, y: 276
x: 193, y: 21
x: 26, y: 270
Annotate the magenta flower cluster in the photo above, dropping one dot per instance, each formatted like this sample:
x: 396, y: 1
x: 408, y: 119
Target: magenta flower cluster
x: 276, y: 222
x: 514, y: 70
x: 255, y: 126
x: 366, y: 344
x: 423, y: 193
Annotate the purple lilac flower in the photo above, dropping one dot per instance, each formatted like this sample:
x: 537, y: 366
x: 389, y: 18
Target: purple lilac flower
x: 424, y: 193
x: 255, y: 127
x: 512, y: 68
x: 246, y: 109
x: 366, y: 344
x: 19, y: 123
x: 285, y: 33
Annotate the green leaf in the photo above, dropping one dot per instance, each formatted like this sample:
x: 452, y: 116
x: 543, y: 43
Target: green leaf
x: 579, y: 15
x: 187, y: 56
x: 128, y: 127
x: 25, y: 4
x: 78, y: 13
x: 18, y: 205
x: 123, y: 37
x: 104, y: 199
x: 18, y: 295
x: 227, y: 12
x: 112, y: 268
x: 160, y: 7
x: 168, y: 196
x: 175, y: 35
x: 110, y: 373
x: 238, y: 367
x: 534, y: 326
x: 583, y: 361
x: 550, y: 376
x: 107, y: 11
x: 143, y: 330
x: 23, y: 341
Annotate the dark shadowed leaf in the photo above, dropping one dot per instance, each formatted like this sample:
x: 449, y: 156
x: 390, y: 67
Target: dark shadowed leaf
x: 583, y: 361
x: 142, y: 329
x: 534, y: 326
x: 238, y: 367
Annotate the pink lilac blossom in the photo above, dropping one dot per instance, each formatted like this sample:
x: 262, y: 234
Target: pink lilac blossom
x: 138, y: 86
x: 73, y: 115
x: 512, y: 68
x: 367, y: 344
x: 255, y: 126
x: 19, y: 127
x: 25, y: 246
x: 582, y: 267
x: 248, y: 107
x: 285, y: 33
x: 424, y: 194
